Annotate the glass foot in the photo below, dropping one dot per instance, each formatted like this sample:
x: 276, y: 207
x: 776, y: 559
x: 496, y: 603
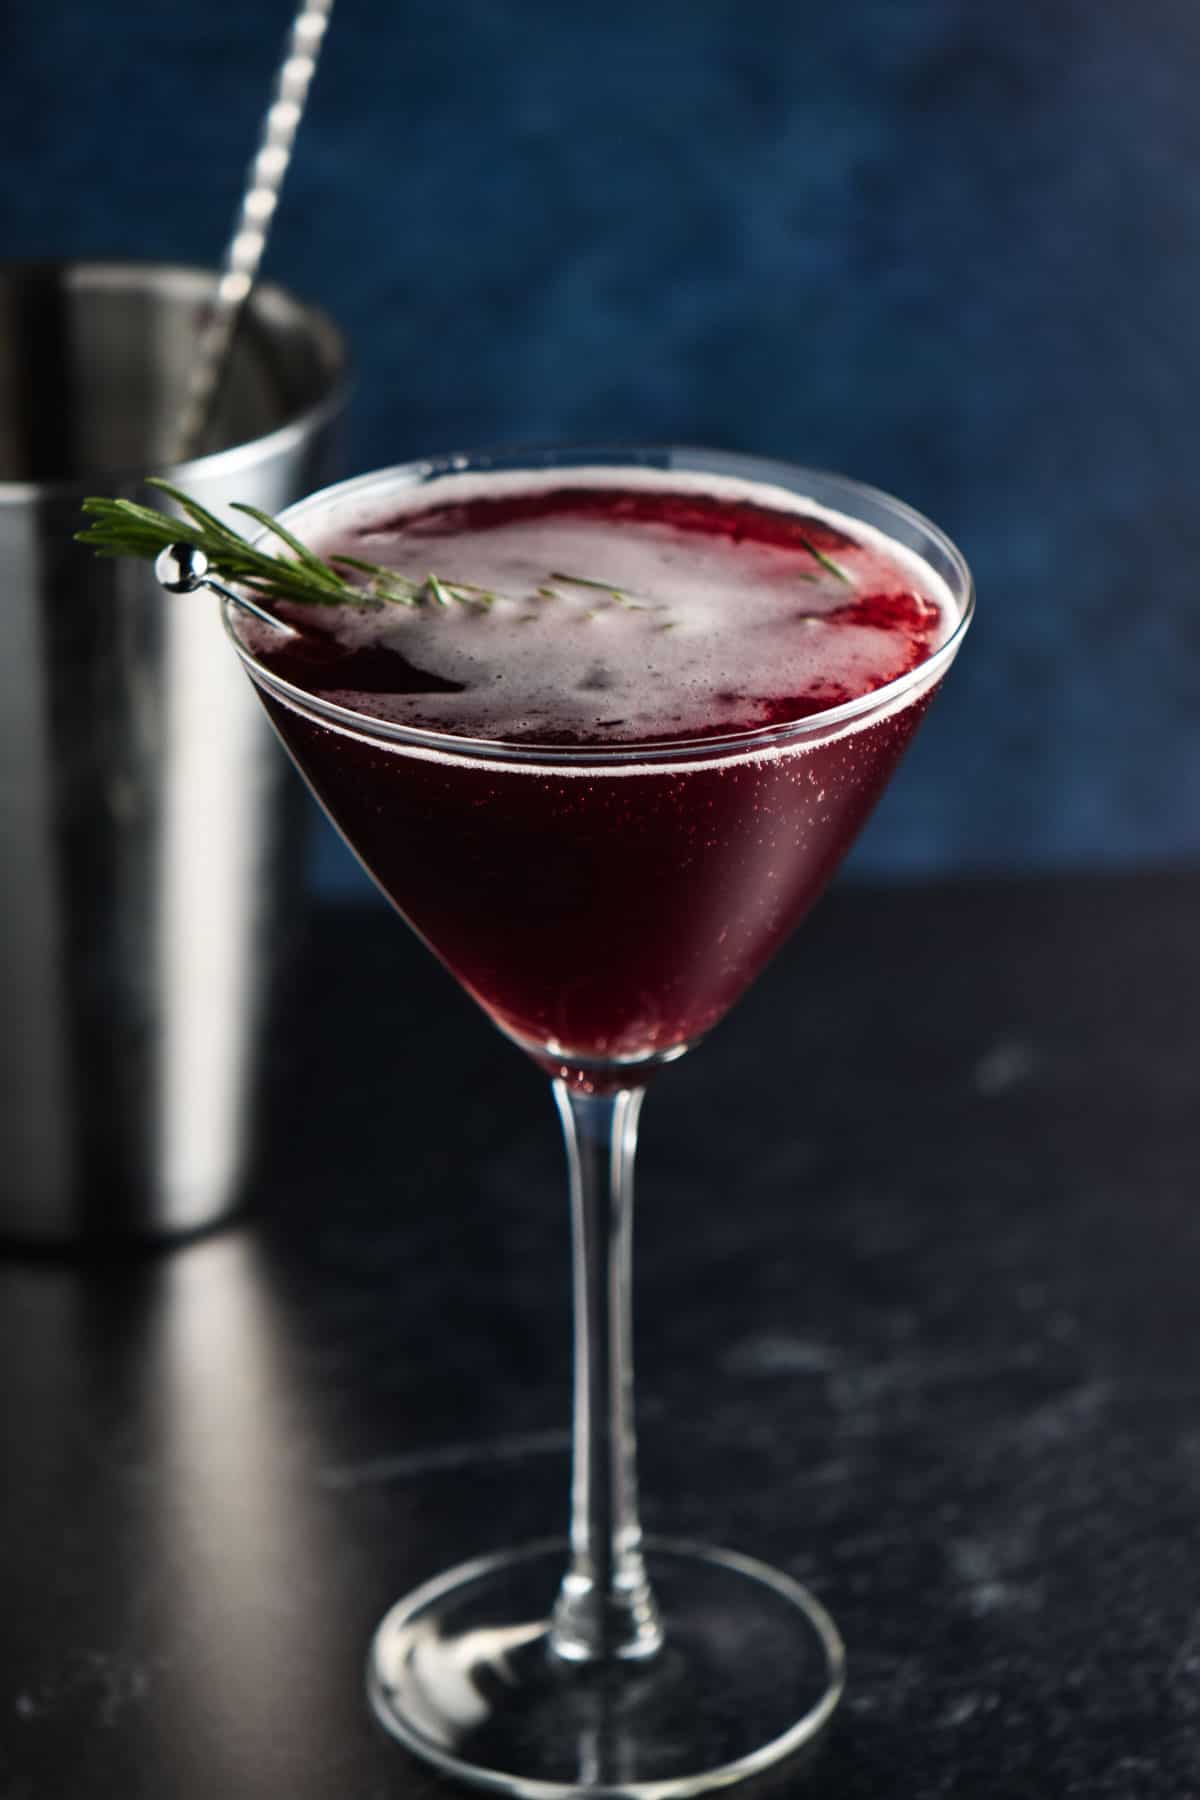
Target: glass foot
x: 751, y: 1670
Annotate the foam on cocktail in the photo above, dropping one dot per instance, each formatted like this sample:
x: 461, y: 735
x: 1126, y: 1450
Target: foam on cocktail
x: 713, y: 630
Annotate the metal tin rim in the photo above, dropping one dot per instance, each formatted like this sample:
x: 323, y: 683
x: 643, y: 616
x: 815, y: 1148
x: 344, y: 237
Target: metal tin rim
x: 219, y: 463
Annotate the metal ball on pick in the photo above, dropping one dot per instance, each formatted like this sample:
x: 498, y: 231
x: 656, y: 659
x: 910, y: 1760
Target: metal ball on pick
x: 181, y: 568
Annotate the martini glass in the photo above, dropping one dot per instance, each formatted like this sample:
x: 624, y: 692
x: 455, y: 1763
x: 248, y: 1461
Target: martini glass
x: 606, y: 906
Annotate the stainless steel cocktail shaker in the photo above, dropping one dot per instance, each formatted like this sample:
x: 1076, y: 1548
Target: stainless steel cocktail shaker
x: 148, y: 822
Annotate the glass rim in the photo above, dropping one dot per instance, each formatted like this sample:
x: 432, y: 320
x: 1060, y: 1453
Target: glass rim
x: 664, y: 752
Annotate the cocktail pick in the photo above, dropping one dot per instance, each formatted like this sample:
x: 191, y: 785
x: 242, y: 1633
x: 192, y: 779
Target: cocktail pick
x: 244, y: 253
x: 181, y: 569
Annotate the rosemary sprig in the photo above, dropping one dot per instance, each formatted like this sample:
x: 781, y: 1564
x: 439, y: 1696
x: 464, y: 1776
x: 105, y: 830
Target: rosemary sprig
x: 123, y: 528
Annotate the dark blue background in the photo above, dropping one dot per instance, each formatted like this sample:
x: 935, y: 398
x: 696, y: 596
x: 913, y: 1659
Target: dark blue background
x: 949, y: 246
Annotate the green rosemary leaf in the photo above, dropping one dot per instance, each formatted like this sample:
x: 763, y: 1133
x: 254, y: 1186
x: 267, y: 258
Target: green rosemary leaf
x: 364, y: 568
x: 308, y: 558
x: 827, y: 562
x: 208, y: 521
x: 585, y: 581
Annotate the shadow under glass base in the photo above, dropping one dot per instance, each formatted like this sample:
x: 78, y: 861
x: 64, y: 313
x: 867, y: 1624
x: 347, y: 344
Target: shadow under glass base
x: 750, y: 1672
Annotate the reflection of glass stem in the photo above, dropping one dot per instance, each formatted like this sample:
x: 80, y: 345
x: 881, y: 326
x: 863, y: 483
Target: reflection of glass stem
x: 605, y: 1607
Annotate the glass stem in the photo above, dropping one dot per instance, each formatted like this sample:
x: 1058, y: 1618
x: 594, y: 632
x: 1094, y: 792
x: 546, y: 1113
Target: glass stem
x: 605, y: 1607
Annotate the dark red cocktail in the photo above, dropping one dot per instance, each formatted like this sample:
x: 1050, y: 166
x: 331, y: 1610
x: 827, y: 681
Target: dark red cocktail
x: 603, y: 746
x: 604, y: 908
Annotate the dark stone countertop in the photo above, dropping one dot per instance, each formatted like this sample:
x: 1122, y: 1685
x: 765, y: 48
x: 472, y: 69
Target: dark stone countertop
x: 918, y: 1279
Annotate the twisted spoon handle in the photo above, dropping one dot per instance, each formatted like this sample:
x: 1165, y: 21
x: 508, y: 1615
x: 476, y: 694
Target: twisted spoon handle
x: 244, y: 254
